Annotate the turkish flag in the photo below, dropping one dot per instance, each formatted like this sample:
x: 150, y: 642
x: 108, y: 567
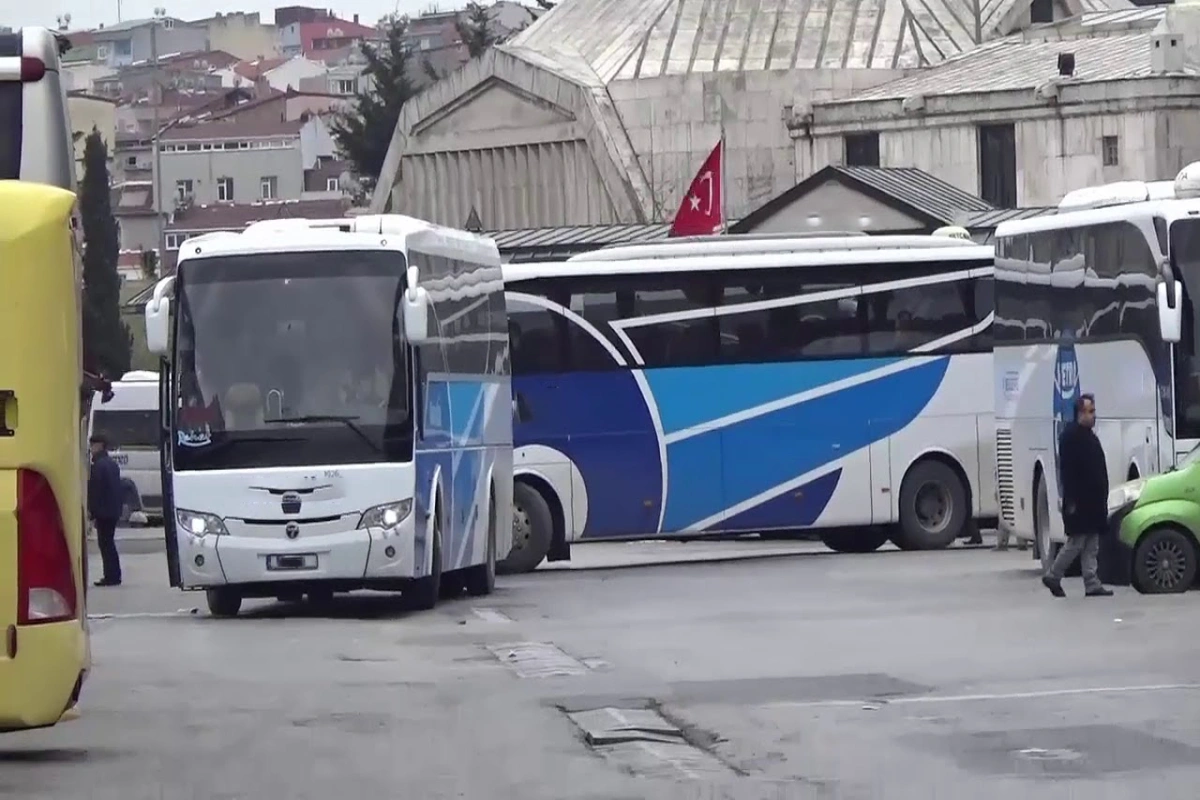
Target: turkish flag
x: 702, y: 210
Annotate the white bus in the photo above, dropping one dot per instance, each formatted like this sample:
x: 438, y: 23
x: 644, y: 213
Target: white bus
x: 337, y: 409
x: 727, y: 385
x: 126, y: 413
x: 1092, y: 299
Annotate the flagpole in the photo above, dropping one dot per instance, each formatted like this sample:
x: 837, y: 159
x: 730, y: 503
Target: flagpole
x: 724, y: 185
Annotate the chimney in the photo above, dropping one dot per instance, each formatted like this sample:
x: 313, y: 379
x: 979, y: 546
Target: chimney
x: 1166, y: 53
x: 1066, y: 64
x: 356, y: 19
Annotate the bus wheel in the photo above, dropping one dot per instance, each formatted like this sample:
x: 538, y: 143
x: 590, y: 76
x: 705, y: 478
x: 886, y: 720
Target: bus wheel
x: 533, y: 530
x: 1047, y: 549
x: 855, y: 540
x: 423, y: 593
x: 481, y: 579
x: 1164, y: 562
x: 933, y: 507
x: 223, y: 602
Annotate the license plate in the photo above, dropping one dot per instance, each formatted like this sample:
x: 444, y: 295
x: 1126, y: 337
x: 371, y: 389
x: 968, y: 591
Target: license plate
x: 298, y: 561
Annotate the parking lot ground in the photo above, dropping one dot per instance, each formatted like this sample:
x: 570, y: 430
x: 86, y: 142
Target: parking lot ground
x: 794, y: 674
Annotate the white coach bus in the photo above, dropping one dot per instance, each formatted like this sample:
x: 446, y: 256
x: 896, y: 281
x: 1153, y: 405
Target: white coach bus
x: 732, y: 384
x: 1096, y: 299
x: 337, y: 411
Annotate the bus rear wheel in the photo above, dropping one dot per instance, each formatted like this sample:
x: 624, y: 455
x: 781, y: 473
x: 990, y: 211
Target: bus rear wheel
x: 933, y: 507
x: 533, y: 530
x: 855, y: 540
x: 223, y: 602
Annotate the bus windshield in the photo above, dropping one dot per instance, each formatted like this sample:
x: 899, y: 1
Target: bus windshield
x: 1185, y: 252
x: 291, y: 359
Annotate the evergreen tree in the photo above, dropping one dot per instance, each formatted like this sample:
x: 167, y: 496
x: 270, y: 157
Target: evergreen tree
x: 364, y: 134
x: 106, y: 340
x: 474, y: 29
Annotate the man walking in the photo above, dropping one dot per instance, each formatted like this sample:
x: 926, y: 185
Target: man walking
x: 104, y: 507
x: 1084, y: 501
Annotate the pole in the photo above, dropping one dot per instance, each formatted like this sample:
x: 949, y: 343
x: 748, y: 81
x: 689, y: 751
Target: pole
x: 156, y: 100
x: 724, y: 170
x: 1174, y: 409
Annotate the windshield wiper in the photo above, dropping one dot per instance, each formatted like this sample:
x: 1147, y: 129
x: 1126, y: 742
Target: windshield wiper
x: 349, y: 422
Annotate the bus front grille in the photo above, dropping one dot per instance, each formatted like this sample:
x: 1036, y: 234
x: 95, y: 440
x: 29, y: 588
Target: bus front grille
x: 1004, y: 476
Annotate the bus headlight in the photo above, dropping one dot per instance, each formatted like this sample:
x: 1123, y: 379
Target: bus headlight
x: 388, y: 515
x: 197, y: 523
x: 1125, y: 494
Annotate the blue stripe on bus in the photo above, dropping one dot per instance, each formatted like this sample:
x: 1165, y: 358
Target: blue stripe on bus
x: 723, y: 467
x: 798, y: 507
x: 691, y: 396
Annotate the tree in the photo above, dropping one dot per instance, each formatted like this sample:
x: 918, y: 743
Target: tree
x: 475, y: 29
x: 364, y: 134
x: 107, y: 343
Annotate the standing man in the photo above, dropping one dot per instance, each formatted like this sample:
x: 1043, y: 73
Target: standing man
x: 1084, y: 501
x: 104, y: 507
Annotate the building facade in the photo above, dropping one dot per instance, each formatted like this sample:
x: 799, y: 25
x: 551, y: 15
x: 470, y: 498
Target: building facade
x: 602, y: 110
x: 129, y: 42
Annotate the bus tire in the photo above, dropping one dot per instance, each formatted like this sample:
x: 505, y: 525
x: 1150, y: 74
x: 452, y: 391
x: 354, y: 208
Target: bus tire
x: 934, y: 510
x: 533, y: 530
x: 1165, y: 561
x: 423, y: 593
x: 855, y: 540
x: 223, y: 602
x: 480, y: 580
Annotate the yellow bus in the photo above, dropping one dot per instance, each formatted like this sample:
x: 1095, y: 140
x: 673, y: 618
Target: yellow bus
x: 44, y: 652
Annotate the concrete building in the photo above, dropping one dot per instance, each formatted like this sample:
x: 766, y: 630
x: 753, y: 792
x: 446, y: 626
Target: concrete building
x: 602, y: 110
x: 235, y: 161
x: 88, y: 112
x: 244, y: 35
x: 127, y: 42
x: 1023, y: 120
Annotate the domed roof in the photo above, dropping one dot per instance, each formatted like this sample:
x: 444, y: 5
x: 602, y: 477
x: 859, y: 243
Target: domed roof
x: 631, y: 39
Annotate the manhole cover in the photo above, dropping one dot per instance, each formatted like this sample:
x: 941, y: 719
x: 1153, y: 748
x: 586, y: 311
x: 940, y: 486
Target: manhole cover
x: 1057, y: 754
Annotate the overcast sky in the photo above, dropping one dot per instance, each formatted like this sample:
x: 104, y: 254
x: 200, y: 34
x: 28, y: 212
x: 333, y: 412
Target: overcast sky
x: 90, y: 13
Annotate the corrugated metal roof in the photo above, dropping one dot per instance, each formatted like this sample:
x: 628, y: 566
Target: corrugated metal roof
x: 549, y: 244
x: 919, y: 190
x: 992, y: 218
x: 1014, y: 64
x: 630, y: 39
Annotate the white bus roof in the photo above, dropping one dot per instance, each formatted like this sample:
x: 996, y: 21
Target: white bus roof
x: 850, y: 257
x: 139, y: 375
x: 371, y: 232
x: 739, y: 244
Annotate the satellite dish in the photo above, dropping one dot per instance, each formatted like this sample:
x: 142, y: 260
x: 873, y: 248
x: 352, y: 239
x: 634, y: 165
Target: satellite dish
x: 1187, y: 182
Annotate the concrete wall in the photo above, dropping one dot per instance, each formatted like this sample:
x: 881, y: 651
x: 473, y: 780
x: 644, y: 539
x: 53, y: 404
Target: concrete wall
x: 87, y: 113
x: 138, y: 232
x: 242, y: 35
x: 246, y: 167
x: 674, y: 122
x: 1058, y: 148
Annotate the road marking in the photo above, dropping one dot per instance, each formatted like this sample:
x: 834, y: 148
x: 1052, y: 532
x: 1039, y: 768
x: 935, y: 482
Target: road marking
x: 146, y: 614
x: 969, y: 698
x: 491, y: 615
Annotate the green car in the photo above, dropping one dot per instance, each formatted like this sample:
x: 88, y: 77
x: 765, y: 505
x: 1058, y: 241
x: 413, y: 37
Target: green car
x: 1158, y: 519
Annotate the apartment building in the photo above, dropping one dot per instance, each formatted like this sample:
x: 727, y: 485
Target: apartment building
x: 242, y: 161
x: 125, y: 43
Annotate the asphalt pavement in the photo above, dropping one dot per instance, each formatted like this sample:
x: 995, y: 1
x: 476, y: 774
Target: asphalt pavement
x: 749, y: 670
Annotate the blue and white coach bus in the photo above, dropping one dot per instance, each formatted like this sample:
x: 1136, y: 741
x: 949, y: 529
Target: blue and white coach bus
x: 1096, y: 298
x: 336, y: 411
x: 730, y: 384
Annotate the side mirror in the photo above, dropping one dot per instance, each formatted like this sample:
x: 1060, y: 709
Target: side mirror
x: 158, y: 325
x: 416, y: 310
x: 1170, y: 310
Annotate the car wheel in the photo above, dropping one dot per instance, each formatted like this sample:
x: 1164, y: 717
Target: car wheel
x: 1164, y: 562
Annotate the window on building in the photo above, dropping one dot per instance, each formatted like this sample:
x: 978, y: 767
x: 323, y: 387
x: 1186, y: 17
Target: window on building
x: 1110, y: 148
x: 343, y: 86
x: 225, y: 190
x: 268, y: 188
x: 131, y: 161
x: 183, y: 189
x: 998, y: 165
x: 174, y: 240
x: 332, y: 184
x: 1041, y: 11
x: 862, y: 149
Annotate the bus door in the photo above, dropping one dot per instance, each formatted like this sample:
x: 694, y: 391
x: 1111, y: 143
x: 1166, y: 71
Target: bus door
x: 166, y: 415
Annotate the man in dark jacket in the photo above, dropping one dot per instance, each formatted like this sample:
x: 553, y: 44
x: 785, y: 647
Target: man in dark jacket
x: 1084, y: 500
x: 104, y: 507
